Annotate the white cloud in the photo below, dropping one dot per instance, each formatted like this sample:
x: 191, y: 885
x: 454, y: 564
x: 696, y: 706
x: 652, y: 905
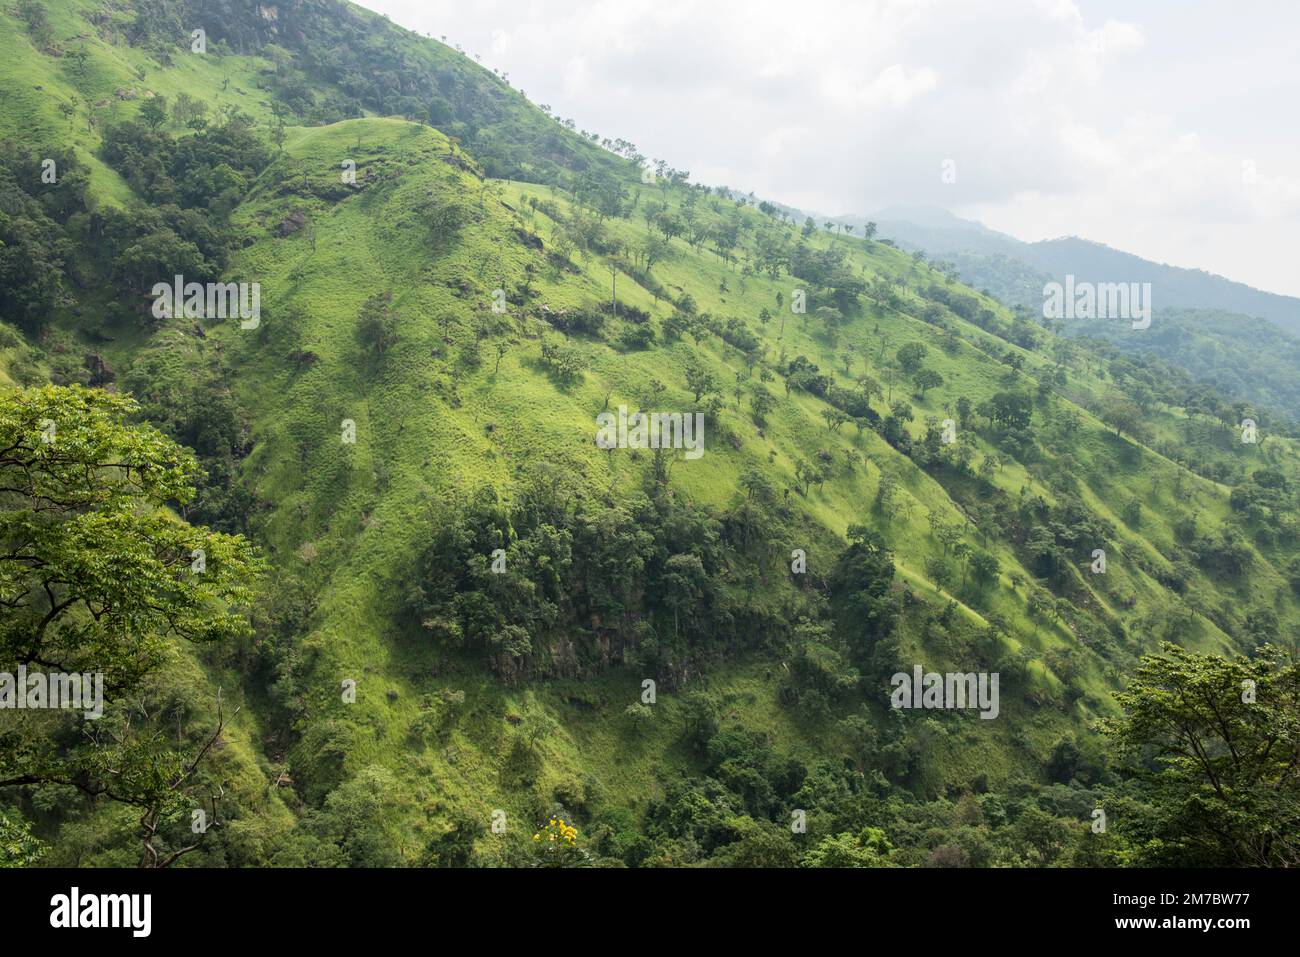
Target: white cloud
x: 892, y: 88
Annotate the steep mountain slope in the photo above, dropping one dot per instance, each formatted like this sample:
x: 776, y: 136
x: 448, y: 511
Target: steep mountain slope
x: 418, y: 402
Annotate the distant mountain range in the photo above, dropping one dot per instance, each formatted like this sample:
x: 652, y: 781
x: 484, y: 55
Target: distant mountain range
x: 1015, y: 271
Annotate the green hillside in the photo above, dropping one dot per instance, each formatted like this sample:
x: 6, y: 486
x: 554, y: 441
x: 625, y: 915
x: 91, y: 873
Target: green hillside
x: 1204, y: 327
x: 418, y: 402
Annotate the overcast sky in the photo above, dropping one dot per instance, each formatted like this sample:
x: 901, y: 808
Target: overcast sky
x: 1165, y: 128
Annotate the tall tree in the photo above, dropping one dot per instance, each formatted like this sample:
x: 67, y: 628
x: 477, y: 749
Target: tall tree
x: 98, y: 576
x: 1215, y: 743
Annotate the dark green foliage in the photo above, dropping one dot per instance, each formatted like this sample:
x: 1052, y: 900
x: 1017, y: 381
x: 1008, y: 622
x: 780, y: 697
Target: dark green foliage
x: 573, y: 566
x: 35, y: 250
x: 864, y: 607
x: 1216, y: 743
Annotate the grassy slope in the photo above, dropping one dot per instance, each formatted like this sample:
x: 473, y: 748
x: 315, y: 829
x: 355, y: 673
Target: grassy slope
x: 413, y: 447
x: 364, y: 510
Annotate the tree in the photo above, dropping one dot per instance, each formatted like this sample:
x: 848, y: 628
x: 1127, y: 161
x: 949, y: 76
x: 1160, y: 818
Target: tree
x: 535, y: 726
x: 760, y: 404
x: 1011, y: 410
x: 927, y: 379
x: 834, y: 419
x: 1132, y: 513
x: 641, y: 716
x: 1216, y: 748
x: 563, y: 360
x: 832, y: 319
x: 910, y: 357
x: 1122, y: 415
x: 860, y: 589
x: 759, y: 844
x: 653, y: 249
x: 850, y: 351
x: 187, y: 109
x: 683, y: 579
x: 699, y: 379
x: 454, y: 847
x: 1042, y: 834
x: 98, y: 576
x: 939, y: 570
x: 79, y: 57
x: 279, y: 134
x: 950, y: 535
x: 805, y: 474
x: 964, y: 410
x: 870, y: 388
x: 1040, y: 605
x: 153, y: 112
x: 885, y: 492
x: 869, y: 848
x: 376, y: 327
x: 756, y: 484
x: 36, y: 18
x: 18, y: 848
x: 984, y: 568
x: 445, y: 216
x: 160, y: 253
